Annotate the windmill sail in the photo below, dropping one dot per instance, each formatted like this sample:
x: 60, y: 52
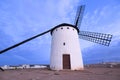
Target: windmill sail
x: 1, y: 69
x: 79, y: 16
x: 22, y: 42
x: 99, y: 38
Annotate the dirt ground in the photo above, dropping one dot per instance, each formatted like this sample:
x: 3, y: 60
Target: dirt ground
x: 44, y: 74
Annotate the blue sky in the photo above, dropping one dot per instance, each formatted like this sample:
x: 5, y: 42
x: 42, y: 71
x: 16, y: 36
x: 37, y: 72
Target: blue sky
x: 21, y: 19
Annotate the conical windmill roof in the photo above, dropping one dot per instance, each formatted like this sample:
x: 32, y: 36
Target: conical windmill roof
x: 64, y: 24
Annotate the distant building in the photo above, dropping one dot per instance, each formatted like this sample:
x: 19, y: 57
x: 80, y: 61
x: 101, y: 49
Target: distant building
x: 105, y: 65
x: 24, y: 66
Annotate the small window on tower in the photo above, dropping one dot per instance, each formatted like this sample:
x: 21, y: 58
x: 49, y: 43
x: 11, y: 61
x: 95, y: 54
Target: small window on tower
x: 61, y: 27
x: 64, y: 43
x: 67, y: 27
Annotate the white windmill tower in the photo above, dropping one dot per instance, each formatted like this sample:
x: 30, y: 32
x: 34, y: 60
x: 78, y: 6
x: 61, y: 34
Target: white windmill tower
x: 65, y: 50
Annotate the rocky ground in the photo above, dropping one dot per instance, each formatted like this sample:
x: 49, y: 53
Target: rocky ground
x: 45, y: 74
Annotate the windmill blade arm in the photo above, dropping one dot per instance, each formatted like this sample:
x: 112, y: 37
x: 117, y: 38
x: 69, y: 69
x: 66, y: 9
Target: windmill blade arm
x: 22, y: 42
x: 79, y: 16
x: 99, y: 38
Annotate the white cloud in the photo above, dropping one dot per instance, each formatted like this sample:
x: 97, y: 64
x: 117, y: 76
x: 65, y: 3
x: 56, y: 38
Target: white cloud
x: 100, y: 19
x: 100, y: 53
x: 103, y: 20
x: 24, y: 19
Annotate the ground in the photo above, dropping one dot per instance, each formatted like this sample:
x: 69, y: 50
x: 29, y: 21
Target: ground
x: 45, y: 74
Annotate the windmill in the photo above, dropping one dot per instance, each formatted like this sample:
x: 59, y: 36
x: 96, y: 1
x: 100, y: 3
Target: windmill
x: 65, y: 47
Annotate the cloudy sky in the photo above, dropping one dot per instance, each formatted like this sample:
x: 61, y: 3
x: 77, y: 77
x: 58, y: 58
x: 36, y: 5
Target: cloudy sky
x: 21, y: 19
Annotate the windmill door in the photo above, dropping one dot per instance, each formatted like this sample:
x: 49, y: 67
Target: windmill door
x: 66, y: 61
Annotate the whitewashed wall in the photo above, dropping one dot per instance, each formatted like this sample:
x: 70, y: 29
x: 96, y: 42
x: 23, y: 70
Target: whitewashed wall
x: 72, y: 47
